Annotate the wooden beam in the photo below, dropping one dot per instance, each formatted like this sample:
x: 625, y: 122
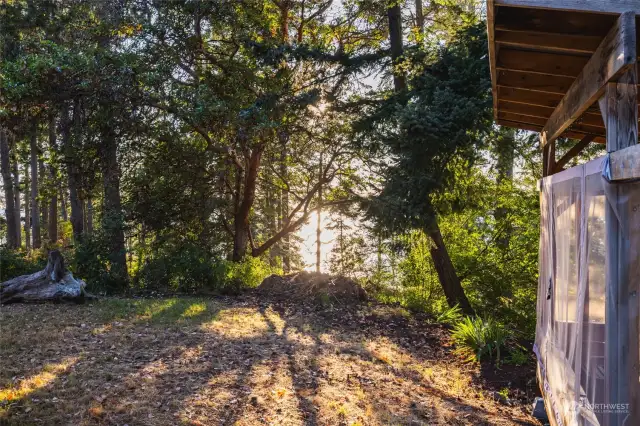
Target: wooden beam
x: 536, y: 82
x: 528, y: 97
x: 625, y: 164
x: 541, y: 63
x: 524, y: 80
x: 615, y: 55
x: 537, y: 129
x: 588, y: 118
x: 521, y: 118
x: 540, y: 121
x: 531, y: 110
x: 573, y: 152
x: 552, y: 21
x: 611, y: 7
x: 492, y: 56
x: 559, y: 43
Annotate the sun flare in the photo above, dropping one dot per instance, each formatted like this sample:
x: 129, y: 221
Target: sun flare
x: 308, y: 247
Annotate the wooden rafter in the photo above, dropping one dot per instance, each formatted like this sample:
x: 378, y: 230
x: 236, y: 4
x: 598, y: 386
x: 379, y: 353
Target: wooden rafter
x: 559, y: 43
x: 535, y: 128
x: 615, y: 55
x: 539, y: 121
x: 612, y: 7
x: 589, y: 118
x: 536, y: 82
x: 541, y: 63
x: 524, y: 96
x: 579, y: 24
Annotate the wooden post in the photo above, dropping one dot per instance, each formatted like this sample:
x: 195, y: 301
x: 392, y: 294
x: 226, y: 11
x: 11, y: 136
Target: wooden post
x: 548, y: 156
x: 622, y: 352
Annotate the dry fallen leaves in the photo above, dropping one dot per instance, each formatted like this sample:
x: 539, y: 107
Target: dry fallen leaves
x: 240, y: 361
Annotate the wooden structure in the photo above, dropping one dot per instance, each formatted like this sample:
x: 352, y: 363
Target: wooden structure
x: 568, y: 68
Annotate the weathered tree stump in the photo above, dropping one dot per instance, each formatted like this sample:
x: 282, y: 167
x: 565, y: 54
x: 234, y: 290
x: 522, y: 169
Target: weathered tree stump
x: 54, y: 283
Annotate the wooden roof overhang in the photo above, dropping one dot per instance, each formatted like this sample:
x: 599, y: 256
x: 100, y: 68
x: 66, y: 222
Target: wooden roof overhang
x: 552, y: 59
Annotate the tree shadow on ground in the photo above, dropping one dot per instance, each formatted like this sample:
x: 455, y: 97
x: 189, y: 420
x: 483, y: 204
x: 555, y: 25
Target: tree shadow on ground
x: 235, y: 361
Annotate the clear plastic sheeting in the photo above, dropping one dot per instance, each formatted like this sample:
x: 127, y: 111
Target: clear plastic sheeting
x: 579, y: 210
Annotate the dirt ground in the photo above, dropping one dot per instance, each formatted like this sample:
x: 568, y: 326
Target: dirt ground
x: 241, y: 361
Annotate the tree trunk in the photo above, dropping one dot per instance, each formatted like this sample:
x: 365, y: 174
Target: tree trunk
x: 16, y: 196
x: 319, y: 222
x: 449, y: 280
x: 112, y: 218
x: 446, y: 272
x: 419, y: 17
x: 397, y: 50
x: 272, y: 213
x: 283, y: 138
x: 10, y: 210
x: 35, y: 207
x: 44, y: 205
x: 142, y: 244
x: 241, y: 221
x: 284, y: 21
x: 27, y: 208
x: 53, y: 283
x: 63, y: 205
x: 53, y: 219
x: 505, y: 153
x: 89, y: 216
x: 284, y: 200
x: 447, y: 275
x: 379, y: 248
x: 73, y: 178
x: 84, y: 215
x: 53, y: 202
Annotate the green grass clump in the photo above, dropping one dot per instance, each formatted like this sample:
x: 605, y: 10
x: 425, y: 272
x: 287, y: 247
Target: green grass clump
x: 478, y: 338
x: 450, y: 316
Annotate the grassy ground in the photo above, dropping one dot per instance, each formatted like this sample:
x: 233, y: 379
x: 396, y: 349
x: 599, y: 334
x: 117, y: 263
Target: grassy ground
x: 235, y: 361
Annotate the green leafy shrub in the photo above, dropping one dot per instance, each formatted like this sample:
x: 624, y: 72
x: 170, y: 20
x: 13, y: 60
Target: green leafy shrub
x: 189, y: 268
x: 377, y: 286
x: 184, y: 268
x: 477, y: 338
x: 251, y: 271
x: 414, y: 299
x: 14, y: 263
x: 90, y: 261
x: 420, y: 289
x: 518, y: 356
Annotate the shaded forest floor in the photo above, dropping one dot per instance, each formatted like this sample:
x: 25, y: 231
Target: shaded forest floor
x: 241, y: 361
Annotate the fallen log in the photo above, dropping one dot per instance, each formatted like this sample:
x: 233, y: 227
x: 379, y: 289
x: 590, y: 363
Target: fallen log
x: 53, y: 283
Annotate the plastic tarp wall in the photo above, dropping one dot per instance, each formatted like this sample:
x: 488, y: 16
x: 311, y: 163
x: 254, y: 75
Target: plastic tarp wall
x: 577, y: 207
